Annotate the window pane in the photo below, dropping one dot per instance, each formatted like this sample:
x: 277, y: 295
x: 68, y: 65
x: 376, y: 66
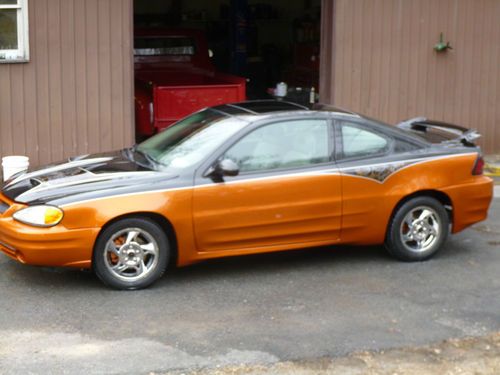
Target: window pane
x: 282, y: 145
x: 8, y: 29
x: 360, y: 142
x: 8, y: 2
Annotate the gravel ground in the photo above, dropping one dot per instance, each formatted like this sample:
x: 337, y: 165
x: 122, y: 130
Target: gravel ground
x: 472, y: 356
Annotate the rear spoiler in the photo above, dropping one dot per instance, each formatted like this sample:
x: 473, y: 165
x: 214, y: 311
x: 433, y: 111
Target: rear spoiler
x: 422, y: 124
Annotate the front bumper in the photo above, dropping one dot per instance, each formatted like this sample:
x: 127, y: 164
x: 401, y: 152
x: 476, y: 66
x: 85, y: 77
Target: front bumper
x: 56, y: 246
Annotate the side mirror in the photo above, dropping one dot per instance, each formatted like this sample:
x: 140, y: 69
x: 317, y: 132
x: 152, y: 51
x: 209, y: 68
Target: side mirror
x: 227, y: 167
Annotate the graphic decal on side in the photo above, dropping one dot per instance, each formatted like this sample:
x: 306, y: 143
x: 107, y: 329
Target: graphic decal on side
x: 379, y: 172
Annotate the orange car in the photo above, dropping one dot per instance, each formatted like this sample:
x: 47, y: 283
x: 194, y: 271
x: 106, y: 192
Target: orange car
x: 247, y: 178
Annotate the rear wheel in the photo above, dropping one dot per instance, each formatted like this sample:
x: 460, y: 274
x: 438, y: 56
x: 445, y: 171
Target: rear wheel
x: 418, y: 229
x: 131, y: 254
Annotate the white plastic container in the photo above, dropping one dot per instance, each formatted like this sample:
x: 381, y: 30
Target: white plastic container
x: 281, y: 89
x: 14, y: 164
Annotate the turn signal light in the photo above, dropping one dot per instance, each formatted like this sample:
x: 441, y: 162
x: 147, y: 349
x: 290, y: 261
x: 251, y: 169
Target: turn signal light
x: 53, y: 216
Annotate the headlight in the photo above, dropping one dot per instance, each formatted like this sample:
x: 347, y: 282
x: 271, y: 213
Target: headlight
x: 40, y: 216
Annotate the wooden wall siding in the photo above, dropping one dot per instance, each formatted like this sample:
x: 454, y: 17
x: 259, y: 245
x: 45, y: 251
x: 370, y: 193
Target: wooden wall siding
x: 75, y: 96
x: 384, y: 64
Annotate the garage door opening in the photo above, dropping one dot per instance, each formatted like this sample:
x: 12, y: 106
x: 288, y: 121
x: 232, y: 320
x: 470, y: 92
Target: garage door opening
x: 191, y: 54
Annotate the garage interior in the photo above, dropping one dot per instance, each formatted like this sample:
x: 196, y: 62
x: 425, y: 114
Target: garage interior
x: 266, y: 42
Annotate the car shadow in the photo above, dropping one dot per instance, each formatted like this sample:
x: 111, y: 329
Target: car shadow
x: 250, y: 267
x: 209, y: 269
x: 283, y: 261
x: 304, y: 259
x: 238, y: 267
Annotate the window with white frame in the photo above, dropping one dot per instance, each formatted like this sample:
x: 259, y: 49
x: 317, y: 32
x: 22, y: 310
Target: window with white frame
x: 14, y: 30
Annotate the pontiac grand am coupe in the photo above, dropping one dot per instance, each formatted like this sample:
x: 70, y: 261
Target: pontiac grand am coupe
x: 247, y: 178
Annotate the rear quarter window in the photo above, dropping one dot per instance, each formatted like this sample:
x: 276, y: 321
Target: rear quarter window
x: 401, y: 146
x: 358, y: 141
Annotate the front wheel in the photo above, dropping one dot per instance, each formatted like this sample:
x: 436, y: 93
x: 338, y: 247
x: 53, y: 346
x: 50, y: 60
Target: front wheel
x: 418, y: 229
x: 131, y: 254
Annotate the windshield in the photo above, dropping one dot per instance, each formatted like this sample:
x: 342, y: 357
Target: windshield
x: 191, y: 140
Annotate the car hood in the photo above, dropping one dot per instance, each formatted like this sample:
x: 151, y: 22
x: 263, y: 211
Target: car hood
x: 81, y: 178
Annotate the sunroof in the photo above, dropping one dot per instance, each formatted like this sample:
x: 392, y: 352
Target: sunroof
x: 258, y: 107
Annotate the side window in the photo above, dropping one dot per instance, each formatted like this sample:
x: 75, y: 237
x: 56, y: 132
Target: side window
x: 404, y: 146
x: 359, y: 142
x: 285, y: 144
x: 14, y: 44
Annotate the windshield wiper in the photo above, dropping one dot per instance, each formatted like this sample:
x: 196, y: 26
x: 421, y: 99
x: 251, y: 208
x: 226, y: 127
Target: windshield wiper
x: 147, y: 156
x: 129, y: 153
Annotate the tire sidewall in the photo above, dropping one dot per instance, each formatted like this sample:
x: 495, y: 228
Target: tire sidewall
x: 394, y: 242
x: 145, y: 224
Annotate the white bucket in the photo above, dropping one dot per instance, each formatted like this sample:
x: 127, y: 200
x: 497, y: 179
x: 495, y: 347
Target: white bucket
x: 14, y: 164
x: 281, y: 89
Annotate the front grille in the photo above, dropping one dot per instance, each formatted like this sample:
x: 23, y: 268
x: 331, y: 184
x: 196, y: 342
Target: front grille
x: 3, y: 207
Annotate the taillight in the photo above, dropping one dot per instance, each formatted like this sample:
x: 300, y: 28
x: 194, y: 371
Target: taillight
x: 478, y: 167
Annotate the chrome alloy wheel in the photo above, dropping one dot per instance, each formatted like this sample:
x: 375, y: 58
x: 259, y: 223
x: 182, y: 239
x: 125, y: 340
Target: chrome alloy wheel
x: 131, y: 254
x: 420, y: 229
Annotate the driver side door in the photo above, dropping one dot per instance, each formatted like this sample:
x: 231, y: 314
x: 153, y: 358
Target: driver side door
x: 287, y: 192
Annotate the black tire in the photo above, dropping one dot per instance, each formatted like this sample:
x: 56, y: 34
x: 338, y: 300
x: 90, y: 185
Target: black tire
x: 134, y: 263
x: 419, y: 241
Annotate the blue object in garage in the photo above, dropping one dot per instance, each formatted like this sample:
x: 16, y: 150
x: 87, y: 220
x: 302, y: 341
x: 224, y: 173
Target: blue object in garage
x: 239, y: 28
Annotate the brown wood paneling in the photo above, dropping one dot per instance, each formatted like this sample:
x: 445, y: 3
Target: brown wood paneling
x: 17, y: 110
x: 55, y: 78
x: 327, y: 47
x: 80, y: 52
x: 104, y: 61
x: 68, y: 88
x: 384, y: 64
x: 128, y: 65
x: 117, y: 87
x: 6, y: 111
x: 39, y: 62
x: 75, y: 96
x: 92, y: 67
